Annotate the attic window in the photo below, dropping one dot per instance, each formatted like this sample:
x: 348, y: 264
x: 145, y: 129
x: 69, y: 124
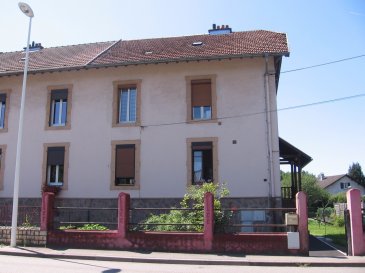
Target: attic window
x: 197, y: 43
x: 148, y: 52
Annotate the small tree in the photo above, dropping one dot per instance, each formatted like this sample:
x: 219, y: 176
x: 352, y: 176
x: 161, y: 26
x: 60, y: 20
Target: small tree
x: 356, y: 173
x: 192, y: 219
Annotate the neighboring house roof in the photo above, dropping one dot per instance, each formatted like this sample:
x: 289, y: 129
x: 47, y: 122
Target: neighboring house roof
x: 329, y: 180
x: 159, y: 50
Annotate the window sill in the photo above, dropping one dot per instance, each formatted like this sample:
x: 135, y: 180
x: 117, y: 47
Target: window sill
x: 127, y: 124
x: 192, y: 121
x: 59, y: 127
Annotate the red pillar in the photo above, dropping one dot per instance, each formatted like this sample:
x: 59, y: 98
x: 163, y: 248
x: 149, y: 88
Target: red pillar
x: 123, y: 213
x: 208, y: 220
x: 302, y: 211
x: 47, y: 211
x: 357, y: 235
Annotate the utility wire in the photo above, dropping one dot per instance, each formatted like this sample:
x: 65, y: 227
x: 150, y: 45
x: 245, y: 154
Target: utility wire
x: 264, y: 112
x: 323, y: 64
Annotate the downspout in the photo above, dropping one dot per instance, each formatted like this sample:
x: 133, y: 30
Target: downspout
x: 268, y: 128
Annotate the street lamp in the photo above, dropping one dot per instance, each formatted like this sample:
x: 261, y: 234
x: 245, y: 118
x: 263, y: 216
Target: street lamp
x: 27, y: 10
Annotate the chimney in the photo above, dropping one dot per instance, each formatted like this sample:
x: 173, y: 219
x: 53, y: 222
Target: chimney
x: 217, y: 30
x: 34, y: 47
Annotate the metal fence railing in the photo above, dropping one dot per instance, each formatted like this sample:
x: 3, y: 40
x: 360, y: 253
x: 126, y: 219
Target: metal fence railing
x: 75, y: 217
x: 27, y: 215
x: 166, y: 219
x: 255, y: 220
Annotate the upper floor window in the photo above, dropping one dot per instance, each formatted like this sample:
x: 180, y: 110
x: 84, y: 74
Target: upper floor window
x: 59, y: 107
x: 201, y: 98
x: 126, y: 103
x: 4, y: 109
x: 344, y: 185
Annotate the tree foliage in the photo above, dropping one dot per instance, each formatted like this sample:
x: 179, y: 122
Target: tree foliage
x: 316, y: 195
x: 356, y: 173
x: 192, y: 215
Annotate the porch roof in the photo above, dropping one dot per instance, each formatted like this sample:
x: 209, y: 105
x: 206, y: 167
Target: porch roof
x: 290, y: 154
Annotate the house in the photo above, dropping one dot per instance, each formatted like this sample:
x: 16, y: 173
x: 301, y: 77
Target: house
x: 339, y: 183
x: 147, y: 117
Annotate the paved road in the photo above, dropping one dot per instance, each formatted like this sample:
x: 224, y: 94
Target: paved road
x: 317, y: 248
x: 12, y: 264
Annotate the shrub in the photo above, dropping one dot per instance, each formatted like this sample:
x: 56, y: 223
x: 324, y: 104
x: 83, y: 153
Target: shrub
x: 338, y: 221
x: 191, y: 220
x: 92, y: 227
x: 324, y: 214
x: 338, y: 198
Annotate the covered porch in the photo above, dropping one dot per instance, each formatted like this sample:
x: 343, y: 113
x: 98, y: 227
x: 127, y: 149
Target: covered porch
x: 290, y: 155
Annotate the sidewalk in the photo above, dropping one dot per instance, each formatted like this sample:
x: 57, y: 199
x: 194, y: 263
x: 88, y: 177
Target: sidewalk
x: 182, y: 258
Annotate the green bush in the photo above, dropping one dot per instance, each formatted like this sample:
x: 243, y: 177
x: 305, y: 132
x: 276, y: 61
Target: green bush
x: 67, y: 227
x: 338, y: 198
x: 338, y: 221
x: 324, y: 214
x: 190, y: 220
x: 92, y: 227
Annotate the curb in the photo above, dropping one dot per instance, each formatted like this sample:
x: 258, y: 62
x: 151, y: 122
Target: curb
x: 184, y: 261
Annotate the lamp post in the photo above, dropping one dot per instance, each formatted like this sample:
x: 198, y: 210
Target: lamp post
x: 27, y: 10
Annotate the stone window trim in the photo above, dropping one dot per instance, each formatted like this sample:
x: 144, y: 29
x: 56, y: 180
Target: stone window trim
x: 69, y: 88
x: 2, y: 165
x: 117, y: 85
x: 137, y: 159
x: 189, y: 79
x: 7, y: 92
x: 189, y: 142
x: 65, y: 165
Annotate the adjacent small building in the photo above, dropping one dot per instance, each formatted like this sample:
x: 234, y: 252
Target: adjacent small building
x: 339, y: 183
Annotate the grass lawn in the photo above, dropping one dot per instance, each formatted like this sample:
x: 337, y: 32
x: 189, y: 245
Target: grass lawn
x: 335, y: 233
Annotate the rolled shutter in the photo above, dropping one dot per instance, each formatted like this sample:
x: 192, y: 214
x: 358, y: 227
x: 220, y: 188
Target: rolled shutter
x: 3, y: 98
x: 56, y: 156
x: 201, y: 93
x: 125, y: 159
x: 59, y: 94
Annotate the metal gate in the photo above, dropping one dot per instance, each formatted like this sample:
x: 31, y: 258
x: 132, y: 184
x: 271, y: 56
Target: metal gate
x: 348, y: 232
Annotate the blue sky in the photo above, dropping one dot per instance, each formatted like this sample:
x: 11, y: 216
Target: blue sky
x: 319, y: 31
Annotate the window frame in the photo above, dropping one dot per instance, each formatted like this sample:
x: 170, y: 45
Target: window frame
x: 189, y: 109
x: 50, y: 107
x: 137, y: 164
x: 2, y: 165
x: 46, y: 146
x: 7, y: 93
x: 189, y: 154
x: 117, y: 87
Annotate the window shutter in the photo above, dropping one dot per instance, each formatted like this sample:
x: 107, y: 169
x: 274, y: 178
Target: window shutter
x: 3, y: 98
x: 199, y: 146
x: 59, y: 94
x: 56, y: 156
x: 125, y: 158
x: 201, y: 93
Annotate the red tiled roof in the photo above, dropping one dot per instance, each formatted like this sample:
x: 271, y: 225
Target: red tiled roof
x: 53, y: 58
x: 233, y: 45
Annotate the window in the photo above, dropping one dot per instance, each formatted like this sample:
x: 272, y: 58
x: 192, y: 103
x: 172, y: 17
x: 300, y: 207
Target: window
x: 2, y: 165
x: 125, y: 164
x: 4, y: 110
x: 345, y: 185
x: 201, y: 98
x: 55, y: 164
x: 59, y: 107
x: 126, y: 103
x: 202, y: 160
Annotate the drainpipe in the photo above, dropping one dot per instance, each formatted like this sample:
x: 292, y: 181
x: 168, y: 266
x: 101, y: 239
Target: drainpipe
x: 268, y: 128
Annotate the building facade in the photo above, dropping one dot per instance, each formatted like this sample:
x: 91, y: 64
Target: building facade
x: 147, y: 117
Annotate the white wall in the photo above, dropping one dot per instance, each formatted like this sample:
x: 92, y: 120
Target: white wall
x: 240, y: 92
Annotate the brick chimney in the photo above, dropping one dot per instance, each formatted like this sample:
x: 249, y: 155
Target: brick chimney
x: 217, y: 30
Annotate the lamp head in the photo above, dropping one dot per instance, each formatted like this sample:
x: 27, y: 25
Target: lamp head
x: 26, y: 9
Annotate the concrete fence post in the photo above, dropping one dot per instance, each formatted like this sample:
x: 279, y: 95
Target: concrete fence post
x: 123, y: 213
x: 302, y: 211
x: 357, y: 235
x: 208, y: 220
x: 47, y: 211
